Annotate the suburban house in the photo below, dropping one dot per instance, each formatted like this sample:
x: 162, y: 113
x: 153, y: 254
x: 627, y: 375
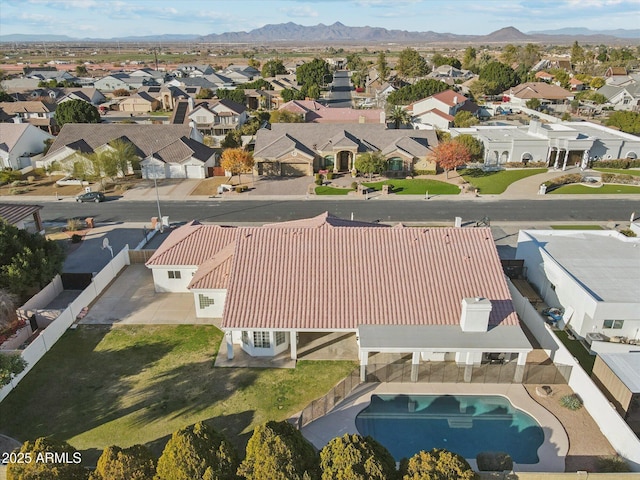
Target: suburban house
x: 439, y: 110
x: 36, y: 112
x: 546, y: 93
x: 266, y: 99
x: 141, y: 102
x: 438, y: 294
x: 86, y: 94
x: 168, y: 95
x: 19, y: 142
x: 314, y: 112
x: 22, y: 216
x: 450, y: 75
x: 217, y: 117
x: 240, y: 73
x: 576, y: 85
x: 118, y: 81
x: 192, y: 70
x: 622, y: 97
x: 298, y: 149
x: 594, y: 276
x: 165, y: 151
x: 544, y: 76
x: 558, y: 144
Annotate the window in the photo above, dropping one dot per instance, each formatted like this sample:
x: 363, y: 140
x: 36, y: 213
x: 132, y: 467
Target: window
x: 201, y: 119
x: 280, y: 338
x: 616, y: 324
x: 175, y: 274
x: 205, y: 301
x: 395, y: 164
x: 245, y: 337
x: 261, y: 340
x: 328, y: 161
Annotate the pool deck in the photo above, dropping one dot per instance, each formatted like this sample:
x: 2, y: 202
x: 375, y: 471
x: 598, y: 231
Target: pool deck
x: 342, y: 419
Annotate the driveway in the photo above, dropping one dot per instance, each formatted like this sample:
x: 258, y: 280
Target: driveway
x: 132, y: 300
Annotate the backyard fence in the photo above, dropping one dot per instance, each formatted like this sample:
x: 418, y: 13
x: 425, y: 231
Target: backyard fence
x: 140, y: 256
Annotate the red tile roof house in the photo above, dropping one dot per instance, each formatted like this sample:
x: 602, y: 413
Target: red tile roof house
x: 314, y: 112
x: 437, y: 293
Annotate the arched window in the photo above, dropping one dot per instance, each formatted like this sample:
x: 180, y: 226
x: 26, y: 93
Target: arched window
x: 504, y: 158
x: 328, y: 161
x: 395, y: 164
x: 632, y: 156
x: 527, y: 157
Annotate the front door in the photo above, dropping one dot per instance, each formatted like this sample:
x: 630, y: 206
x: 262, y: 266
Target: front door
x: 343, y: 161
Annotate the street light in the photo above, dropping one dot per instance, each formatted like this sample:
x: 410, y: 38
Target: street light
x: 155, y: 183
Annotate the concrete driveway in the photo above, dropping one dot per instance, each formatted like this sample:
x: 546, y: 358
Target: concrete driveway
x: 131, y: 300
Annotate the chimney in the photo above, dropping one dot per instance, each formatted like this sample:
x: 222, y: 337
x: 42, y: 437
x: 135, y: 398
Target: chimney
x: 17, y: 119
x: 362, y: 119
x: 475, y: 314
x: 455, y: 99
x: 190, y: 100
x: 534, y: 126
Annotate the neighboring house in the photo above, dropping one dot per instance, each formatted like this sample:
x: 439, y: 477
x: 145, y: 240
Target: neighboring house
x: 217, y: 117
x: 622, y: 98
x: 593, y: 275
x: 192, y: 70
x: 450, y: 75
x: 618, y: 376
x: 241, y: 73
x: 436, y: 294
x: 22, y: 216
x: 558, y: 144
x: 576, y: 85
x: 314, y: 112
x: 281, y: 82
x: 213, y: 82
x: 18, y: 143
x: 117, y: 81
x: 36, y: 112
x: 438, y: 110
x: 141, y: 102
x: 613, y: 72
x: 266, y: 99
x: 168, y: 95
x: 544, y: 76
x: 298, y: 149
x: 87, y: 94
x: 178, y: 153
x: 547, y: 94
x: 47, y: 75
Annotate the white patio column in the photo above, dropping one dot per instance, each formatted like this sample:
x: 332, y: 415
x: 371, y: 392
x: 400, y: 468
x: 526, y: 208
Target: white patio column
x: 522, y: 361
x: 555, y: 163
x: 415, y: 364
x: 564, y: 161
x: 549, y: 152
x: 294, y: 344
x: 229, y: 341
x: 468, y: 367
x: 364, y: 360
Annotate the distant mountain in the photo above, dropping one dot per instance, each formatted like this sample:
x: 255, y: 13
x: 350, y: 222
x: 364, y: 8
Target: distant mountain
x: 619, y: 33
x: 508, y: 34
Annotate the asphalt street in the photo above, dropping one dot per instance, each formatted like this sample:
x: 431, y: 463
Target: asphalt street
x: 340, y: 94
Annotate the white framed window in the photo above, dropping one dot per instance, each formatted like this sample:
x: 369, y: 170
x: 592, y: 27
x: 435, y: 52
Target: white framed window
x: 205, y: 301
x: 614, y: 324
x: 261, y: 340
x: 280, y: 338
x: 174, y: 274
x: 245, y: 337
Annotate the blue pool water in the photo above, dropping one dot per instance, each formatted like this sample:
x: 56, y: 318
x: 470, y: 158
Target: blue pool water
x: 464, y: 424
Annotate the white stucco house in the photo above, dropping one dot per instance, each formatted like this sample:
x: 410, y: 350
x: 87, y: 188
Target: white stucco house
x: 593, y: 275
x: 19, y: 142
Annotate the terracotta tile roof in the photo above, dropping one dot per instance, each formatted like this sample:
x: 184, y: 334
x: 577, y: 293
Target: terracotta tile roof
x: 340, y: 278
x: 440, y: 114
x: 12, y: 213
x: 450, y: 97
x: 538, y: 90
x: 317, y: 113
x: 322, y: 220
x: 213, y: 273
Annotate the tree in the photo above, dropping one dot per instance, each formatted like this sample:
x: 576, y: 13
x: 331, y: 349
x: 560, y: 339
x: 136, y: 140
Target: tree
x: 473, y: 145
x: 529, y: 55
x: 421, y: 89
x: 411, y: 64
x: 469, y: 58
x: 124, y: 156
x: 232, y: 139
x: 597, y: 82
x: 450, y: 155
x: 561, y: 76
x: 8, y: 304
x: 533, y: 103
x: 103, y: 165
x: 353, y: 457
x: 254, y: 62
x: 510, y: 54
x: 577, y: 53
x: 81, y: 71
x: 289, y: 94
x: 315, y: 72
x: 236, y: 161
x: 204, y: 93
x: 626, y: 121
x: 197, y: 451
x: 285, y: 116
x: 28, y: 261
x: 38, y: 468
x: 498, y: 77
x: 464, y: 119
x: 10, y: 366
x: 236, y: 95
x: 277, y: 451
x: 371, y: 162
x: 121, y: 92
x: 382, y: 66
x: 399, y: 116
x: 439, y: 60
x: 271, y: 68
x: 133, y: 463
x: 76, y: 111
x: 437, y: 464
x: 313, y: 92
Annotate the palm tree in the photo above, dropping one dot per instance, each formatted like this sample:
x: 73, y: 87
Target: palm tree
x: 399, y: 116
x: 125, y: 154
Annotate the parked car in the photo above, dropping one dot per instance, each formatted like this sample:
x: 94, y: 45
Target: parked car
x: 91, y: 197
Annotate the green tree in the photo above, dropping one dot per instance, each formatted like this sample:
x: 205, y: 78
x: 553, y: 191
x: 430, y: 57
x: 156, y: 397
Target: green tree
x: 437, y: 464
x: 577, y: 53
x: 533, y: 103
x: 561, y: 76
x: 277, y: 451
x: 353, y: 457
x: 398, y: 115
x: 370, y: 163
x: 197, y: 452
x: 289, y: 94
x: 28, y: 261
x: 10, y: 366
x: 285, y: 116
x: 271, y: 68
x: 5, y: 97
x: 103, y: 165
x: 124, y: 156
x: 464, y: 119
x: 313, y: 92
x: 76, y: 111
x: 232, y: 139
x: 382, y: 66
x: 469, y: 58
x: 236, y: 161
x: 133, y: 463
x: 421, y: 89
x: 49, y: 470
x: 81, y: 71
x: 411, y: 64
x: 529, y: 56
x: 473, y: 145
x: 8, y: 305
x: 254, y: 62
x: 236, y: 95
x: 597, y: 82
x: 438, y: 60
x: 204, y: 93
x: 510, y: 54
x: 628, y: 122
x: 121, y: 92
x: 498, y: 77
x: 315, y: 72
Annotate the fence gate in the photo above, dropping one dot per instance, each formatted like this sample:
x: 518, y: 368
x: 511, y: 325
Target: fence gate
x: 76, y: 281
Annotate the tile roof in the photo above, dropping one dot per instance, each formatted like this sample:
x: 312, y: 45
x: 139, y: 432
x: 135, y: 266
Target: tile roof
x: 317, y: 113
x: 214, y: 272
x: 538, y: 90
x: 14, y: 212
x: 323, y: 220
x: 29, y: 106
x: 450, y: 97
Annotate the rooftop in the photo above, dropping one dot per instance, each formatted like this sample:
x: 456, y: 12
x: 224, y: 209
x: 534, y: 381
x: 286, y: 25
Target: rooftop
x: 626, y: 367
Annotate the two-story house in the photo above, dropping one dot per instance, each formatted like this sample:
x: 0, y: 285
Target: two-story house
x: 36, y: 112
x: 217, y: 117
x: 439, y: 110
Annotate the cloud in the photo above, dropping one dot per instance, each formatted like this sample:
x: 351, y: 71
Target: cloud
x: 304, y: 11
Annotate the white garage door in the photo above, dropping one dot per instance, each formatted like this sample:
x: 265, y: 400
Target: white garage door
x: 195, y: 171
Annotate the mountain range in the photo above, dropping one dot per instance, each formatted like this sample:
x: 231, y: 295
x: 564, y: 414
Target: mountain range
x: 294, y: 33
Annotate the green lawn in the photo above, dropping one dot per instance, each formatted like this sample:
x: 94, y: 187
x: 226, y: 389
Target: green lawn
x: 325, y: 190
x: 606, y: 189
x: 417, y: 186
x: 578, y: 351
x: 576, y: 227
x: 621, y: 171
x: 137, y: 384
x: 492, y: 183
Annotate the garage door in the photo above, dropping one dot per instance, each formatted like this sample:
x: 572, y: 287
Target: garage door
x: 195, y: 171
x: 294, y: 169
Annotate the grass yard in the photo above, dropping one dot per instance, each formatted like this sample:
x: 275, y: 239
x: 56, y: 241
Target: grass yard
x: 209, y: 186
x: 42, y: 186
x: 101, y: 386
x: 495, y: 183
x: 621, y: 171
x: 576, y: 227
x: 417, y: 186
x: 577, y: 350
x: 325, y: 190
x: 607, y: 189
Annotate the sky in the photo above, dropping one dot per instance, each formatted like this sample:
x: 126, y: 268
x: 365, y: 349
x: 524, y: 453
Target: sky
x: 119, y: 18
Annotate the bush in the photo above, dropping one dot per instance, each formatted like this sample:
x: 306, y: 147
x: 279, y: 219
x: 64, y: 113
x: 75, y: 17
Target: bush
x: 318, y: 181
x: 354, y: 185
x: 19, y: 183
x: 8, y: 176
x: 424, y: 172
x: 539, y: 164
x: 75, y: 238
x: 627, y: 232
x: 612, y: 465
x: 133, y: 463
x: 40, y: 172
x: 564, y: 180
x: 31, y: 179
x: 619, y: 178
x: 330, y: 175
x: 494, y: 461
x: 618, y: 163
x: 572, y: 402
x: 74, y: 224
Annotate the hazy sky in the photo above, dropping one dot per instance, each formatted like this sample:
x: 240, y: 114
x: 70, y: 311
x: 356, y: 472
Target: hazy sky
x: 117, y: 18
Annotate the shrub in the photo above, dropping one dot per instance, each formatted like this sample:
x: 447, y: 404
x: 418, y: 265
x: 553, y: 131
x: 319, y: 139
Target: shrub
x: 424, y: 172
x: 329, y: 175
x: 319, y: 177
x: 74, y: 224
x: 437, y: 464
x: 619, y: 178
x: 19, y: 183
x: 627, y: 232
x: 539, y: 164
x: 133, y: 463
x: 494, y: 461
x: 618, y: 163
x: 8, y: 176
x: 572, y: 402
x: 564, y: 180
x: 612, y: 465
x: 31, y: 179
x: 75, y: 238
x: 238, y: 189
x: 354, y: 185
x: 318, y: 181
x: 40, y: 172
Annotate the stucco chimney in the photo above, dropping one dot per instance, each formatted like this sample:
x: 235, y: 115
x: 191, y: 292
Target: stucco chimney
x: 190, y: 100
x: 475, y: 314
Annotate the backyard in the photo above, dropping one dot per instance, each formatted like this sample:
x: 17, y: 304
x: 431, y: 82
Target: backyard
x: 495, y: 183
x: 577, y: 350
x: 101, y: 386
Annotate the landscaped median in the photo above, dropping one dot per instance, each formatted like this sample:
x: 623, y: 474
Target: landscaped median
x: 416, y: 186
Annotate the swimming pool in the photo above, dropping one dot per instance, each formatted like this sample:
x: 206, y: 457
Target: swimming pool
x: 464, y: 424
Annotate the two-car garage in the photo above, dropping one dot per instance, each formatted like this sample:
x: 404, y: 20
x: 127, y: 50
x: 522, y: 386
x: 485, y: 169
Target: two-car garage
x: 284, y: 169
